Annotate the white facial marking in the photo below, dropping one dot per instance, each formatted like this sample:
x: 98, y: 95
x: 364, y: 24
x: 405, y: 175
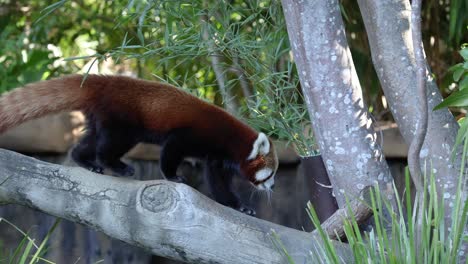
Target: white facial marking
x: 263, y: 174
x: 270, y: 182
x: 266, y: 185
x: 260, y: 146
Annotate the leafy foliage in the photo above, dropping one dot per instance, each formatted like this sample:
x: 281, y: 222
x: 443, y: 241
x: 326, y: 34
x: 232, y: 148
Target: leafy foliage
x: 34, y: 42
x: 177, y: 41
x: 398, y: 245
x: 459, y: 98
x: 460, y: 76
x: 27, y: 250
x: 444, y: 30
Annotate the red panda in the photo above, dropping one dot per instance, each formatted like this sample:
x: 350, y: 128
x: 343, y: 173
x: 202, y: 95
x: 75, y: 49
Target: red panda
x: 123, y: 111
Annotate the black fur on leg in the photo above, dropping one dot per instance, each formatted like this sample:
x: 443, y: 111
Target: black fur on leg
x: 219, y: 175
x: 172, y: 154
x: 84, y: 153
x: 113, y: 141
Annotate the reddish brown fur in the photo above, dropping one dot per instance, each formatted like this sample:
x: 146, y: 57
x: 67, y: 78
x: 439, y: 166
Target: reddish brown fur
x: 261, y: 161
x: 38, y: 99
x: 253, y: 166
x: 156, y: 106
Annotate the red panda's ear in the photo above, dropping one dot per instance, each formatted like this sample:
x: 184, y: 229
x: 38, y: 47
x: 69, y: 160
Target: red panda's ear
x: 261, y: 146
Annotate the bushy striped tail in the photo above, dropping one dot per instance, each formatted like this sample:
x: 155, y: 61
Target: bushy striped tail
x: 38, y: 99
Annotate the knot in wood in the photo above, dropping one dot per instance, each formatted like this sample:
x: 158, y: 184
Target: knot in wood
x: 159, y: 197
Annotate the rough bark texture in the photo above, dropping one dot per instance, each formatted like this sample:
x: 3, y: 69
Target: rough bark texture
x: 318, y: 183
x: 168, y: 219
x: 334, y: 226
x: 388, y: 28
x: 414, y: 163
x: 344, y: 131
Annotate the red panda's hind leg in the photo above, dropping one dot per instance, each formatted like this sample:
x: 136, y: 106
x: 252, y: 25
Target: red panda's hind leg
x: 85, y: 156
x: 84, y: 153
x: 172, y: 154
x: 112, y: 144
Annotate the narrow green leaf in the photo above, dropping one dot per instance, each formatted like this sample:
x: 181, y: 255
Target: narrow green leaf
x: 462, y: 134
x: 140, y: 36
x: 464, y: 83
x: 132, y: 47
x: 18, y: 249
x: 124, y: 42
x: 49, y: 9
x: 25, y: 255
x: 79, y: 57
x: 457, y: 99
x: 464, y: 53
x: 454, y: 7
x: 40, y: 250
x: 279, y: 245
x: 455, y: 67
x: 457, y: 74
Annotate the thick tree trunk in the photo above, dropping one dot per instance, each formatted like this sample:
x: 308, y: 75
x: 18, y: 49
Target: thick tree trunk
x: 165, y: 218
x: 343, y: 128
x: 317, y: 181
x: 388, y: 28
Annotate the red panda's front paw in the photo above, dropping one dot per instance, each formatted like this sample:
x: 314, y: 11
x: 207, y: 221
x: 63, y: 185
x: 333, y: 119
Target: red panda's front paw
x: 128, y: 171
x: 97, y: 169
x: 247, y: 210
x: 124, y: 171
x: 176, y: 179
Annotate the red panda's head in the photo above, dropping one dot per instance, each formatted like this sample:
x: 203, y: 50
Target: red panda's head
x: 261, y: 164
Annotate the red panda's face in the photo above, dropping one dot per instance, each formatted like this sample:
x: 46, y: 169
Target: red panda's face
x: 262, y: 163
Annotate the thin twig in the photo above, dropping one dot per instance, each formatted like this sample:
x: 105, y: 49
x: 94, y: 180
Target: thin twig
x: 216, y: 63
x: 244, y: 82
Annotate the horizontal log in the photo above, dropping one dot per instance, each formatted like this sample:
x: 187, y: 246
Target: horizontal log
x: 168, y: 219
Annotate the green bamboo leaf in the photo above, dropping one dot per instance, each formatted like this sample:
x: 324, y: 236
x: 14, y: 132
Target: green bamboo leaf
x: 455, y: 67
x: 464, y: 83
x: 464, y: 53
x: 17, y: 251
x: 457, y: 74
x: 80, y: 57
x: 49, y: 9
x: 465, y: 65
x: 457, y: 99
x: 462, y: 133
x: 26, y: 252
x: 455, y: 6
x: 41, y: 248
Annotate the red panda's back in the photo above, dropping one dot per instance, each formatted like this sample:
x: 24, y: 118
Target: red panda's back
x: 157, y: 106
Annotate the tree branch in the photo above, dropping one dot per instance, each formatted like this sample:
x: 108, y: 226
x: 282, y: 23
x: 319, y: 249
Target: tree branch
x: 243, y: 80
x: 166, y: 218
x: 359, y: 207
x: 228, y: 98
x: 421, y: 128
x: 415, y: 147
x: 344, y: 130
x: 388, y: 28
